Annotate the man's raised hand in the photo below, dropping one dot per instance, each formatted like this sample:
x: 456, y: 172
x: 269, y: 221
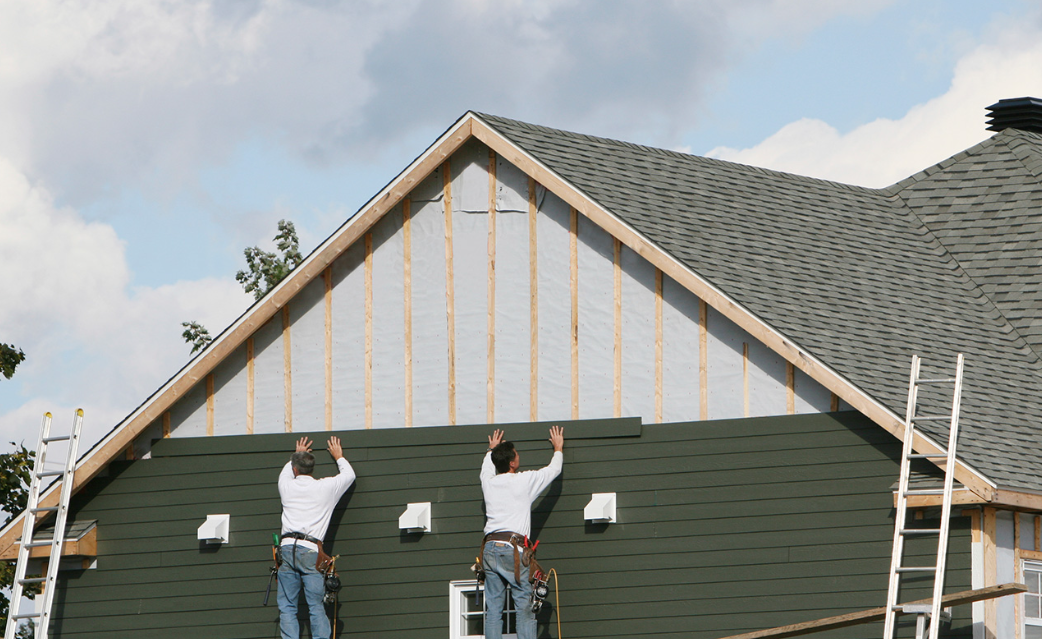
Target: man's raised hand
x: 495, y: 439
x: 557, y: 438
x: 334, y: 448
x: 303, y: 445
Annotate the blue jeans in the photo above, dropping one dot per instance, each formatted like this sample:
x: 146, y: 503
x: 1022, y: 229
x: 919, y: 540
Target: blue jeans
x: 298, y: 570
x: 498, y: 560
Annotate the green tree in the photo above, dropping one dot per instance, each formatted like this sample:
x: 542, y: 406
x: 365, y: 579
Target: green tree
x: 264, y: 270
x: 10, y: 357
x: 15, y: 474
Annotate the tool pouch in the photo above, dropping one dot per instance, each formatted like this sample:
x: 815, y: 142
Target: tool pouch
x: 478, y: 568
x: 323, y: 563
x: 528, y: 559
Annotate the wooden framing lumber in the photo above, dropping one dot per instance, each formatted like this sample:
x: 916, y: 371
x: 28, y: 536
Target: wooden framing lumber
x: 1038, y: 533
x: 617, y: 348
x: 250, y: 372
x: 533, y: 289
x: 574, y: 261
x: 960, y: 497
x: 491, y: 383
x: 790, y: 388
x: 450, y: 290
x: 407, y: 303
x: 368, y: 268
x: 988, y: 537
x: 721, y: 302
x: 166, y: 424
x: 95, y: 460
x: 658, y: 347
x: 834, y: 404
x: 745, y: 378
x: 209, y: 405
x: 327, y: 282
x: 85, y: 546
x: 287, y: 369
x: 989, y: 594
x: 703, y: 360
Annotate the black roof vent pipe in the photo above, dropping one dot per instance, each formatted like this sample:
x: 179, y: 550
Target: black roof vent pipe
x: 1016, y: 113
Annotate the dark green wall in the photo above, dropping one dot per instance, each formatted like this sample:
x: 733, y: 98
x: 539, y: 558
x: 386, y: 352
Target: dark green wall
x: 725, y: 527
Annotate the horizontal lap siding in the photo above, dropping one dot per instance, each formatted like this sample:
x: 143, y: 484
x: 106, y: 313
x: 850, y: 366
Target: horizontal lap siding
x: 724, y: 527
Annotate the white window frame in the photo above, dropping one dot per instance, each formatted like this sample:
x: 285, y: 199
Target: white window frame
x: 456, y: 594
x: 1033, y: 566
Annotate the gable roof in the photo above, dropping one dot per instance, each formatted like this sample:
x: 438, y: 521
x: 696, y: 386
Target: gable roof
x: 852, y: 275
x: 845, y: 282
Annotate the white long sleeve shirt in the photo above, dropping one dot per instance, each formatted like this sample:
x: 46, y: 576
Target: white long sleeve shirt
x: 509, y: 496
x: 307, y: 503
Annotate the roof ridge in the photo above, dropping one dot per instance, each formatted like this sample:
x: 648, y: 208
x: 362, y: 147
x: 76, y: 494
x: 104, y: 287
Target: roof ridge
x: 1018, y: 143
x: 687, y: 157
x: 929, y: 171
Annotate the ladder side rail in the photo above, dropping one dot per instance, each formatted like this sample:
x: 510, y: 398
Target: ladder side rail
x: 902, y: 502
x: 58, y: 541
x: 949, y: 480
x: 28, y: 523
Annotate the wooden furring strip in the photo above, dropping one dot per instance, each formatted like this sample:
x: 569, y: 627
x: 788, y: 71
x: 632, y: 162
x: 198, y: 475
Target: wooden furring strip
x: 990, y: 570
x: 1038, y: 531
x: 533, y: 288
x: 327, y: 280
x: 450, y: 293
x: 703, y: 359
x: 491, y: 383
x: 573, y: 239
x: 834, y: 406
x: 287, y: 369
x: 368, y: 330
x: 617, y: 350
x: 166, y: 424
x: 745, y: 377
x: 209, y: 405
x: 250, y: 377
x: 790, y: 388
x: 407, y: 286
x: 658, y: 347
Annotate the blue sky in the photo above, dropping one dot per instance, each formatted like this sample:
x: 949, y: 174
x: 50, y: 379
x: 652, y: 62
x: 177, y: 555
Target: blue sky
x: 144, y: 145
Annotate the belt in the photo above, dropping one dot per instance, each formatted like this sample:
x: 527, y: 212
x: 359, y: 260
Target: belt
x: 511, y: 537
x: 302, y: 536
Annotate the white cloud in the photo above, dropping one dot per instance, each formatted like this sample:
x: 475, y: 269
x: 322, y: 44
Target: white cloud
x: 885, y: 151
x: 90, y: 340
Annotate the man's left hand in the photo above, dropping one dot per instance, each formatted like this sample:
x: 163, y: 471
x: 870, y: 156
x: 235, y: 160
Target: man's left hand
x: 303, y: 445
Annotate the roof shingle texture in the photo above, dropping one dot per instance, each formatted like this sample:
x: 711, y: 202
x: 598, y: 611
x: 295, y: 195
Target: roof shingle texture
x: 945, y: 262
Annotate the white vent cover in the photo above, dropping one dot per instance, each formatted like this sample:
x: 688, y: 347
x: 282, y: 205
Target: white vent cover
x: 601, y: 509
x: 215, y: 529
x: 416, y: 518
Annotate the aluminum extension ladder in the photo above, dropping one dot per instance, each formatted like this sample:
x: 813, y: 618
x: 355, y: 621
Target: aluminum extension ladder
x: 897, y: 568
x: 43, y: 616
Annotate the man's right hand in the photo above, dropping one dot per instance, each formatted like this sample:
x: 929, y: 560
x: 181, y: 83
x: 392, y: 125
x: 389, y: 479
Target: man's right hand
x: 495, y: 439
x: 334, y: 448
x: 557, y: 438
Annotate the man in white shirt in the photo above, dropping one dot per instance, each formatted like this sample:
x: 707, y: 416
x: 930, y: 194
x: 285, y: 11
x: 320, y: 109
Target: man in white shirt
x: 508, y: 520
x: 307, y: 505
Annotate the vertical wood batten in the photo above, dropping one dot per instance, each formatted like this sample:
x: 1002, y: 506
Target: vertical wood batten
x: 327, y: 280
x: 166, y: 424
x: 745, y: 378
x: 573, y: 240
x: 368, y: 330
x: 533, y: 288
x: 790, y: 388
x: 658, y: 347
x: 407, y: 279
x: 703, y: 359
x: 834, y: 406
x: 450, y: 303
x: 250, y: 375
x: 1038, y: 529
x: 1017, y: 576
x: 209, y: 405
x: 990, y: 571
x: 287, y: 370
x: 491, y: 384
x: 617, y: 348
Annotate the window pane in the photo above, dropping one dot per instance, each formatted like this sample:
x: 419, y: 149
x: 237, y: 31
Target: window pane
x: 1031, y: 606
x: 473, y: 601
x: 1032, y: 632
x: 475, y: 626
x: 1031, y: 577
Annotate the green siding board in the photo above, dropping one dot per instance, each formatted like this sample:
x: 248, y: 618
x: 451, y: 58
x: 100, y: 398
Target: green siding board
x: 724, y: 527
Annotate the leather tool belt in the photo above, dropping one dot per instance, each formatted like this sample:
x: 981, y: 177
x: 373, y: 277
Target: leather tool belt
x: 515, y: 540
x: 323, y: 564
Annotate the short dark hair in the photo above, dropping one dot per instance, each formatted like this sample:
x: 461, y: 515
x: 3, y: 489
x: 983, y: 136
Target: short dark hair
x: 502, y: 455
x: 303, y: 462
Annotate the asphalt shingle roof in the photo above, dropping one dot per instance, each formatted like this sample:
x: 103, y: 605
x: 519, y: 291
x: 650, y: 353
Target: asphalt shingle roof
x: 944, y: 262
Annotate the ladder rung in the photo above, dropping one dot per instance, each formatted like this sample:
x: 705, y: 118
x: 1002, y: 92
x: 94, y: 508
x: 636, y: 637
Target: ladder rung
x: 50, y: 473
x: 28, y: 615
x: 39, y: 544
x: 32, y: 580
x: 917, y: 569
x: 930, y: 418
x: 920, y: 531
x: 44, y: 509
x: 925, y: 491
x: 929, y: 456
x: 939, y: 380
x: 56, y: 438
